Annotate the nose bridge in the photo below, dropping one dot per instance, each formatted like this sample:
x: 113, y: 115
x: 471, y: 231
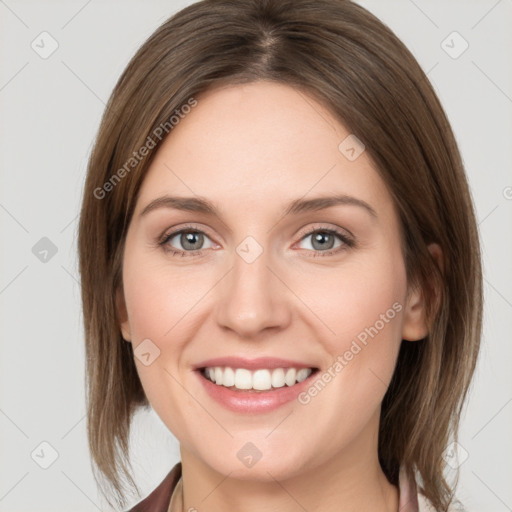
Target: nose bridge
x: 252, y: 299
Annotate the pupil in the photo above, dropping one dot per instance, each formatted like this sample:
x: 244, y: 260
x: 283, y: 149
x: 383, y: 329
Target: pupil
x: 321, y: 238
x: 189, y: 239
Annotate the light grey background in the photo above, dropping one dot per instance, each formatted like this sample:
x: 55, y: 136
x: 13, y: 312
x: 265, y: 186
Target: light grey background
x: 50, y: 111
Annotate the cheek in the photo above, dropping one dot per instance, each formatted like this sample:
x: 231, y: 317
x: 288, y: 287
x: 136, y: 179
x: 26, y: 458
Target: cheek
x: 363, y: 308
x: 160, y: 303
x: 355, y: 296
x: 164, y: 305
x: 367, y: 306
x: 159, y: 297
x: 362, y: 304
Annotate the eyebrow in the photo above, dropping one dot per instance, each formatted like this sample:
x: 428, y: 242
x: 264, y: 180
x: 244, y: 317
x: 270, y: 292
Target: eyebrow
x: 203, y: 205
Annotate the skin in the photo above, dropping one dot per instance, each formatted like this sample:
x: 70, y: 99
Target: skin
x: 251, y: 158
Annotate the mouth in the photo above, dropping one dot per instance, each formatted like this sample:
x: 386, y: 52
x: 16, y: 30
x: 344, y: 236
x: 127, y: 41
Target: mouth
x: 256, y: 381
x: 254, y: 386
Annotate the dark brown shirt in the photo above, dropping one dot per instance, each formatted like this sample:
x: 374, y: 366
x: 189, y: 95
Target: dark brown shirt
x: 159, y: 499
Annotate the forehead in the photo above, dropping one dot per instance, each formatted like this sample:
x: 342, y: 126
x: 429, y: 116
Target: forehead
x: 257, y: 143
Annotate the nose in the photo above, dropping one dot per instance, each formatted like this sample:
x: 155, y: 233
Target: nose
x: 253, y: 297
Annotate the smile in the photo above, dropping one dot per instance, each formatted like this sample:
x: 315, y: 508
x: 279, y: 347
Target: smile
x: 255, y: 391
x: 257, y: 380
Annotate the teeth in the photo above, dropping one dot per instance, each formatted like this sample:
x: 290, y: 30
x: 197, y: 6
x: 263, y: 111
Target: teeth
x: 228, y: 379
x: 260, y: 380
x: 278, y: 378
x: 302, y: 374
x: 243, y: 379
x: 291, y: 376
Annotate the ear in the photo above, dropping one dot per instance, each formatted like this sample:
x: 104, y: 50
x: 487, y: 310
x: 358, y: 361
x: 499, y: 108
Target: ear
x: 415, y: 325
x: 123, y: 315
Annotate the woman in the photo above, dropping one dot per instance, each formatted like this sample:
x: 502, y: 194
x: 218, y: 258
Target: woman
x: 279, y: 255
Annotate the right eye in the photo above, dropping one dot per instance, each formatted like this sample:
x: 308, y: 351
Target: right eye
x: 190, y: 240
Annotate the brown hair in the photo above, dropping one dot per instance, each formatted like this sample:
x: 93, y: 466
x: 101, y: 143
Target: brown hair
x: 345, y: 58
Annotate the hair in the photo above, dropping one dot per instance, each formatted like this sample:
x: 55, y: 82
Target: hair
x: 342, y: 56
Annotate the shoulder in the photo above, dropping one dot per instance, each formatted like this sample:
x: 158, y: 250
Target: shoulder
x: 158, y: 500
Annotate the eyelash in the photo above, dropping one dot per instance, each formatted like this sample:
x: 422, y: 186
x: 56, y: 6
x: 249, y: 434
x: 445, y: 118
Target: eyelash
x: 348, y: 242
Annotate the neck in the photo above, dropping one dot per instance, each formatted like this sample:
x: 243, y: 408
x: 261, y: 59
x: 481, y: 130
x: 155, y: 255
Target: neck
x: 348, y: 481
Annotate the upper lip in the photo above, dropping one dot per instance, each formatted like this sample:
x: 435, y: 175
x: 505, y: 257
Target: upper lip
x: 252, y: 364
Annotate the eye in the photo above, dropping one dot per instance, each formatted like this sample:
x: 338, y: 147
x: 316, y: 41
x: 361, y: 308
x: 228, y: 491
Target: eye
x: 323, y: 241
x: 188, y: 240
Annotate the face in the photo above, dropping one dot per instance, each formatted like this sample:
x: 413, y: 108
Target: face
x: 271, y: 287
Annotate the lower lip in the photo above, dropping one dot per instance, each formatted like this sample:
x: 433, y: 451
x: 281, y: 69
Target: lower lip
x: 253, y: 401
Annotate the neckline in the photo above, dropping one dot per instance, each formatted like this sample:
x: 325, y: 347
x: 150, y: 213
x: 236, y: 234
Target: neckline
x: 407, y: 490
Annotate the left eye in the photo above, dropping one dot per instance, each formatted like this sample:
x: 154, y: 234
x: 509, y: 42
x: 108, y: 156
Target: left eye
x: 323, y: 240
